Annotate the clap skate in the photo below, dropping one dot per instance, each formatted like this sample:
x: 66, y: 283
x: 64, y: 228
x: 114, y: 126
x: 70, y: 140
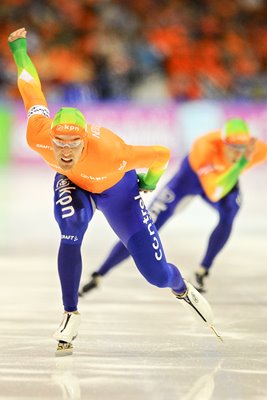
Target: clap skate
x: 92, y: 284
x: 67, y: 332
x: 201, y: 309
x: 64, y: 349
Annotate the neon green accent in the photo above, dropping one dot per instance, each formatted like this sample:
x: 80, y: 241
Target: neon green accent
x: 152, y: 177
x: 228, y: 180
x: 235, y: 127
x: 149, y: 180
x: 18, y: 44
x: 5, y: 123
x: 22, y: 60
x: 69, y: 115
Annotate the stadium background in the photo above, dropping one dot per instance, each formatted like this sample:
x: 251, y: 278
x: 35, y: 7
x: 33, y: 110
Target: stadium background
x: 162, y: 71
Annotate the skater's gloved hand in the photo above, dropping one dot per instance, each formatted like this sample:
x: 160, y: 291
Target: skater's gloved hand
x: 15, y: 44
x: 18, y: 34
x: 143, y: 185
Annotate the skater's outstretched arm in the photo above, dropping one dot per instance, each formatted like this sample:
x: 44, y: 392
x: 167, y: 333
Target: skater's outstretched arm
x: 218, y: 181
x: 28, y: 79
x: 29, y: 85
x: 155, y: 158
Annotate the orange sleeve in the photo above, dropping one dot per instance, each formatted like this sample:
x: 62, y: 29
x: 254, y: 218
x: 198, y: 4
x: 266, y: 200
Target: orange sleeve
x: 38, y: 131
x: 153, y: 157
x: 259, y: 155
x: 201, y: 159
x: 215, y: 175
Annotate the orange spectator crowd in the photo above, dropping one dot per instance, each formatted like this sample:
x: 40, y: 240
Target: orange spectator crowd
x: 105, y: 49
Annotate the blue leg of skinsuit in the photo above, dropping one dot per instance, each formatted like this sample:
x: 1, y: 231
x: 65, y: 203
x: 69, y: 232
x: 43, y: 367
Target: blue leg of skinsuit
x: 183, y: 183
x: 227, y: 208
x: 73, y: 211
x: 126, y: 213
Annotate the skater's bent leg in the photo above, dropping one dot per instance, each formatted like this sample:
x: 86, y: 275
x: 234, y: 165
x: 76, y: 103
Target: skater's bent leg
x: 146, y: 249
x: 174, y: 194
x: 228, y: 209
x: 161, y: 209
x: 126, y: 213
x: 69, y: 270
x: 73, y: 211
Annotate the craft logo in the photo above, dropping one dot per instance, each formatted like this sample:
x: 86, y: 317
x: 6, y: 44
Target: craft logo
x: 43, y: 146
x: 70, y: 237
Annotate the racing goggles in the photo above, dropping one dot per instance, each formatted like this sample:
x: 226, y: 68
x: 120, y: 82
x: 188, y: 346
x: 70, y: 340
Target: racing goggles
x: 237, y: 146
x: 73, y: 144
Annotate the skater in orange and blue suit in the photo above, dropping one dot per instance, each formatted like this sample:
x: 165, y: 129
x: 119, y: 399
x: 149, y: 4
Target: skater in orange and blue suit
x: 96, y: 169
x: 211, y: 170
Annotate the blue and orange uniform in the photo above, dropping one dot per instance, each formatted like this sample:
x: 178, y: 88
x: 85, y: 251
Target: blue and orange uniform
x: 104, y: 178
x: 206, y: 172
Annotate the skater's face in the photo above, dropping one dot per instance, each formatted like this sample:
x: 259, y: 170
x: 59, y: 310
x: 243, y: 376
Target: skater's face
x: 68, y: 150
x: 233, y: 152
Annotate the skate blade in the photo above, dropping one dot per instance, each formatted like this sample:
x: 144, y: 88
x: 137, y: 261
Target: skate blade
x: 216, y: 333
x: 64, y: 349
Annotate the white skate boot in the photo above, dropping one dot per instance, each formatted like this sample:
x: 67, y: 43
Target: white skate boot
x: 193, y: 300
x: 67, y: 332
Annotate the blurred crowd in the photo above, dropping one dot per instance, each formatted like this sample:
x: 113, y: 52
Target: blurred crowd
x: 133, y: 49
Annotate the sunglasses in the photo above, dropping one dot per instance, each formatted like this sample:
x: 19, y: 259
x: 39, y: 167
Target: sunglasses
x: 72, y: 145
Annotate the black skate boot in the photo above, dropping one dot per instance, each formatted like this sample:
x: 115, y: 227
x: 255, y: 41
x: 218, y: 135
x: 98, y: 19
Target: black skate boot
x: 92, y: 284
x: 199, y: 279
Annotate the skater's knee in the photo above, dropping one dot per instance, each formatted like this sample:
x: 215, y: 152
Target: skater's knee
x: 157, y: 278
x: 228, y: 214
x: 73, y: 228
x: 229, y: 218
